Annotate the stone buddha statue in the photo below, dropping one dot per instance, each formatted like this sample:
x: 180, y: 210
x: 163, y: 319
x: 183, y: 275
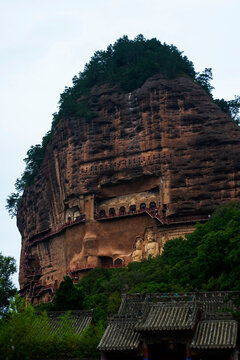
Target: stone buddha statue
x: 151, y: 247
x: 137, y: 253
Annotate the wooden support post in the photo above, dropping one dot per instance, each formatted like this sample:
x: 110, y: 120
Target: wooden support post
x: 145, y: 350
x: 103, y: 356
x: 188, y: 352
x: 234, y: 355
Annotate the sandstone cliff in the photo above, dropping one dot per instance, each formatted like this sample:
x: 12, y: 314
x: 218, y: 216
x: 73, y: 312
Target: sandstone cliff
x: 164, y: 151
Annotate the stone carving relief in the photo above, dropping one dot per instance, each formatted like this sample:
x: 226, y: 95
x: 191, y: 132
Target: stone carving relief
x: 145, y: 246
x: 151, y: 247
x: 137, y: 254
x: 146, y: 159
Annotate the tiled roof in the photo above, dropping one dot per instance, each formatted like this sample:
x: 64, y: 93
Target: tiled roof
x: 215, y: 334
x: 167, y: 317
x: 61, y: 323
x: 141, y: 313
x: 120, y: 335
x: 211, y: 306
x: 77, y: 321
x: 211, y: 301
x: 133, y: 304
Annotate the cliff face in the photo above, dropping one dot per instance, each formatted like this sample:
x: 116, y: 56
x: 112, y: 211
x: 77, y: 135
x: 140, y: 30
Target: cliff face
x: 165, y: 146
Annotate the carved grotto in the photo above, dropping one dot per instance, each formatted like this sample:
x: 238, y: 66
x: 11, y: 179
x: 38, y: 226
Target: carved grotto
x: 115, y: 188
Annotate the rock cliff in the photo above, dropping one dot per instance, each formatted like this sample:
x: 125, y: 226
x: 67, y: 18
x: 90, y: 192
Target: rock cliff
x: 114, y: 188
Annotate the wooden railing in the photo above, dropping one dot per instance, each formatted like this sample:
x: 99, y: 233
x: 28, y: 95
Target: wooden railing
x: 154, y: 214
x: 121, y: 214
x: 59, y: 230
x: 89, y: 267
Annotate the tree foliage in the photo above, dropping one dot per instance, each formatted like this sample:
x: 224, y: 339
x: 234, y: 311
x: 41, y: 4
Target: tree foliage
x: 12, y: 203
x: 7, y: 289
x: 231, y: 107
x: 67, y: 297
x: 27, y: 334
x: 204, y: 79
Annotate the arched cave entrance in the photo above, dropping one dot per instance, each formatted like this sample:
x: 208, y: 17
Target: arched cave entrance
x: 73, y: 213
x: 76, y: 213
x: 132, y: 208
x: 122, y: 210
x: 142, y: 206
x: 118, y: 262
x: 152, y: 205
x: 111, y: 211
x: 106, y: 261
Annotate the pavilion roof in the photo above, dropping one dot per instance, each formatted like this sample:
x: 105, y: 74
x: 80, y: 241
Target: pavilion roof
x: 120, y: 334
x: 77, y: 321
x: 63, y: 322
x: 215, y: 334
x: 205, y: 315
x: 160, y: 317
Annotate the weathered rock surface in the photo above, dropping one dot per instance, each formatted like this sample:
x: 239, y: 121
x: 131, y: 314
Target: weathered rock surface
x: 165, y: 144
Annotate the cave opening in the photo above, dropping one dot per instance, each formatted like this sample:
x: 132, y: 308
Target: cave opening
x: 132, y: 208
x: 122, y: 210
x: 106, y: 261
x: 118, y: 262
x: 152, y: 205
x: 111, y: 211
x: 142, y: 206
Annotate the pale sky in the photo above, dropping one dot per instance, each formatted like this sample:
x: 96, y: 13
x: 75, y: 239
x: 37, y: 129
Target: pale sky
x: 45, y: 43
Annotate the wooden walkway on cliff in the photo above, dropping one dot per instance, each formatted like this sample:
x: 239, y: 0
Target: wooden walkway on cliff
x: 153, y: 213
x: 46, y: 234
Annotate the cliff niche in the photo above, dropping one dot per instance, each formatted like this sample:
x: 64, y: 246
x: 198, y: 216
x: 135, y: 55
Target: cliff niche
x: 115, y: 187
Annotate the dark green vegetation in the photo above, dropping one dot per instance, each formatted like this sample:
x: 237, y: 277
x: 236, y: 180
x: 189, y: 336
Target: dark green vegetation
x: 26, y: 334
x: 68, y: 297
x: 127, y: 64
x: 7, y: 289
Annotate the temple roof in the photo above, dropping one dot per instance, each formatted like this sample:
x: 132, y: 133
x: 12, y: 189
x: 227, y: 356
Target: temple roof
x: 210, y: 301
x: 120, y: 335
x: 63, y: 322
x: 205, y: 315
x: 77, y: 320
x: 166, y: 317
x: 215, y: 334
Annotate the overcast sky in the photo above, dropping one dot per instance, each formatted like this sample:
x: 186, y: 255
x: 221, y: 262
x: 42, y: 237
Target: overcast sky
x: 44, y: 43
